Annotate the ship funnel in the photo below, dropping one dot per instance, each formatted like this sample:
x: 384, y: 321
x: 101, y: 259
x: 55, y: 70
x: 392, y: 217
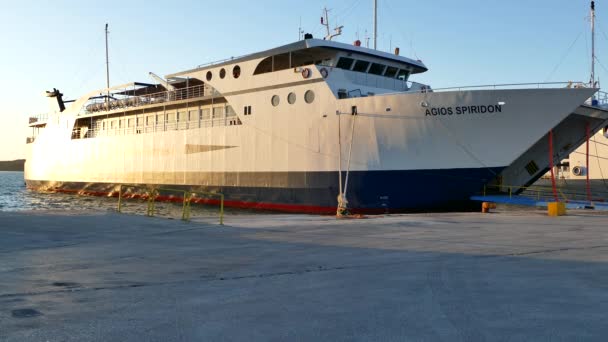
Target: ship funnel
x: 55, y: 100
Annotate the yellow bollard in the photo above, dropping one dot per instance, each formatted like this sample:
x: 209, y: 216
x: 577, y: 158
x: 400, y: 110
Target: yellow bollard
x: 556, y: 209
x: 486, y: 206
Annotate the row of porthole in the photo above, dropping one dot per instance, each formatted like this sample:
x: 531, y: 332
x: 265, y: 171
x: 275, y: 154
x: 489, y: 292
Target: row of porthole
x: 236, y: 73
x: 309, y: 97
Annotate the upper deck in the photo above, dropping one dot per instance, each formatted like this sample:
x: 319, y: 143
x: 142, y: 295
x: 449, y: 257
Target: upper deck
x: 302, y: 48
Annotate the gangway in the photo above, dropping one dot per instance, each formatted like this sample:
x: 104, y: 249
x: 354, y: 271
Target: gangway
x: 567, y: 136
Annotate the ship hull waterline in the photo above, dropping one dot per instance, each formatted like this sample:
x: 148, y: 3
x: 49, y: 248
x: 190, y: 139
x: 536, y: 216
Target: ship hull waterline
x: 372, y: 192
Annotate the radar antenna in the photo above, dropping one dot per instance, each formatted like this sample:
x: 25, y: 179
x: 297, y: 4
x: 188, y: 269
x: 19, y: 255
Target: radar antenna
x: 325, y: 22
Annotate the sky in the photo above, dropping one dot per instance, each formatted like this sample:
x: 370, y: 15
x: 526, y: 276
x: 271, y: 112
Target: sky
x: 60, y: 44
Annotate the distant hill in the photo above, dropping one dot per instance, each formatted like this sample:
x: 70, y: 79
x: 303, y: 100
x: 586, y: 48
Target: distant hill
x: 13, y: 165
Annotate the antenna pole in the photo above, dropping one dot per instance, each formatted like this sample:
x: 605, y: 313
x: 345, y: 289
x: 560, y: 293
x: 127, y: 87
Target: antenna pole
x: 592, y: 44
x: 300, y: 29
x: 107, y: 71
x: 326, y: 22
x: 375, y: 24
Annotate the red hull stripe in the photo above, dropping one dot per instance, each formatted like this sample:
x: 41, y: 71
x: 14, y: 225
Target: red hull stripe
x: 291, y: 208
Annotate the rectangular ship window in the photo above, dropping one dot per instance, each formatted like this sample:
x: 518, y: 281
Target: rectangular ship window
x: 361, y: 66
x: 230, y: 111
x: 376, y: 69
x: 391, y: 72
x: 345, y: 63
x: 205, y: 114
x: 218, y: 112
x: 193, y: 115
x: 403, y: 74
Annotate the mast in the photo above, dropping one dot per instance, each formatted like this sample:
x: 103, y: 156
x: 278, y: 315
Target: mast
x: 592, y: 81
x: 107, y: 71
x: 325, y: 22
x: 375, y: 24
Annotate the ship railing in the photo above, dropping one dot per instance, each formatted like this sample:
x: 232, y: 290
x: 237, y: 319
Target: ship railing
x: 221, y: 61
x: 40, y: 118
x: 128, y: 101
x: 546, y: 194
x: 415, y: 87
x: 153, y: 193
x: 99, y: 131
x: 599, y: 99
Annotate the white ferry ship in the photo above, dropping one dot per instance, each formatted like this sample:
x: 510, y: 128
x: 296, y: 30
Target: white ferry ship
x: 296, y: 127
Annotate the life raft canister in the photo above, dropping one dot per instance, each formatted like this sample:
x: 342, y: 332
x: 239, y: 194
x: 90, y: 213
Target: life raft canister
x: 306, y: 73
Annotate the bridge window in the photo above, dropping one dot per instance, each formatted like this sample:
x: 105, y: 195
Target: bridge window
x: 391, y: 72
x: 361, y: 66
x: 209, y: 75
x: 376, y: 69
x: 403, y: 74
x: 294, y: 59
x: 345, y: 63
x: 222, y: 73
x: 236, y: 71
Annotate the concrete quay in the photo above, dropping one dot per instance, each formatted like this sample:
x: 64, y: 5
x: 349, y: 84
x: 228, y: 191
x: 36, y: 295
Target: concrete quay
x: 103, y: 276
